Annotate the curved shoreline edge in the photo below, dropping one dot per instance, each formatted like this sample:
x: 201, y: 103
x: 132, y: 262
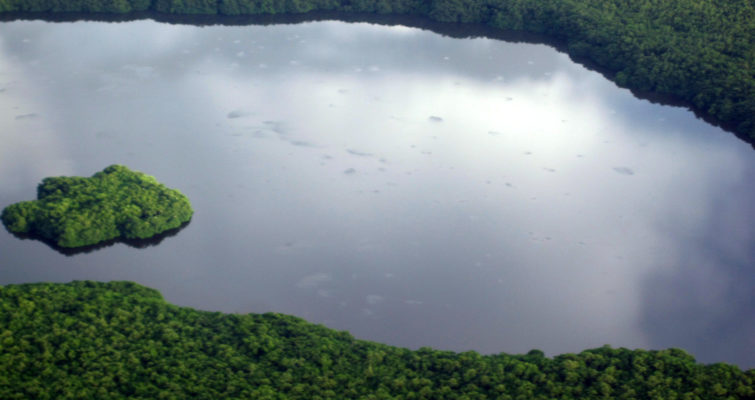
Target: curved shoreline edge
x: 119, y: 339
x: 696, y: 54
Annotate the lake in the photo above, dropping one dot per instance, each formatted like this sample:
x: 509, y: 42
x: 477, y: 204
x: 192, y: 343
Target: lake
x: 411, y: 188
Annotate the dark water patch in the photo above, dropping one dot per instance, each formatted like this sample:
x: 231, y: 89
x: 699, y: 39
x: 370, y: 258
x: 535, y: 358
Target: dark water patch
x: 705, y: 301
x: 27, y: 116
x: 238, y: 114
x: 276, y: 126
x: 301, y: 143
x: 623, y: 170
x: 359, y: 153
x: 435, y: 118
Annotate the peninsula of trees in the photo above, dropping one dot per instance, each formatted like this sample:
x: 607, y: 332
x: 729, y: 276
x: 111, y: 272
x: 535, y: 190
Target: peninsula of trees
x: 113, y: 203
x: 117, y: 340
x: 698, y: 52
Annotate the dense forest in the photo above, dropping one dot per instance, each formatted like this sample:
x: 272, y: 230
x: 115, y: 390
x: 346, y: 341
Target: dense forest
x: 698, y: 52
x: 121, y: 340
x: 114, y: 203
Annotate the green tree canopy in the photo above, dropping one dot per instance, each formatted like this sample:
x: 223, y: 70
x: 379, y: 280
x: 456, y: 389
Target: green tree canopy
x: 121, y: 340
x: 113, y: 203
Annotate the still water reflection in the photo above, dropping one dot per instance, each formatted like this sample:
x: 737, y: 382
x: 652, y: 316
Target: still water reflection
x: 412, y: 189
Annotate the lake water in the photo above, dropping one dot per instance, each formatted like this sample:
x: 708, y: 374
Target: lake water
x: 410, y: 188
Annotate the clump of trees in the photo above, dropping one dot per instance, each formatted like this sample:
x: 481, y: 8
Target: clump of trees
x: 122, y: 340
x: 113, y: 203
x: 699, y: 52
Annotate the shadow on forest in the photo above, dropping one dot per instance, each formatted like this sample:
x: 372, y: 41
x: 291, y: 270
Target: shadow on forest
x: 136, y: 243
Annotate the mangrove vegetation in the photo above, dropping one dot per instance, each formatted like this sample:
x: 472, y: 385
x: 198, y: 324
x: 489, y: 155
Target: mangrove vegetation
x: 114, y: 203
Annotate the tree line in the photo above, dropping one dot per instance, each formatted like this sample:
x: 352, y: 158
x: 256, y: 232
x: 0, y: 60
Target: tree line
x: 700, y: 52
x: 121, y: 340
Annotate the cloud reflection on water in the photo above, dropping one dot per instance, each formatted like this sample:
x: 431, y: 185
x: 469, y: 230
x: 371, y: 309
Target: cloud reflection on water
x: 26, y: 131
x: 547, y: 209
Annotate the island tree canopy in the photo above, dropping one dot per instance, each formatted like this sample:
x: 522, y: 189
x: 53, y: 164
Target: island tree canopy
x: 113, y: 203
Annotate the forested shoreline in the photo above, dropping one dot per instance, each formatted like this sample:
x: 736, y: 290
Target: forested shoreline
x: 119, y: 339
x: 698, y: 52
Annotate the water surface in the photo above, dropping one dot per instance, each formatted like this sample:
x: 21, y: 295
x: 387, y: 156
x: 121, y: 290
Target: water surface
x: 413, y: 189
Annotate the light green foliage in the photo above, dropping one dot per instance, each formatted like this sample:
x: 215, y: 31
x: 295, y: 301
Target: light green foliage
x: 121, y: 340
x: 113, y: 203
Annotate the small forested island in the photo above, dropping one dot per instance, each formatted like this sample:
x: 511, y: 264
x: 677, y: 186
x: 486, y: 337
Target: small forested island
x: 92, y: 340
x: 697, y: 52
x: 113, y: 203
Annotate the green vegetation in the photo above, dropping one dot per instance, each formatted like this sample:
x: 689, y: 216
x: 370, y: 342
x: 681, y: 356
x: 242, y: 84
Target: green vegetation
x: 699, y: 52
x: 121, y: 340
x: 113, y: 203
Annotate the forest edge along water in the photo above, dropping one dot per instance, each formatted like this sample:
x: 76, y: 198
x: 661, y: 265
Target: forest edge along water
x: 323, y: 283
x: 698, y: 54
x: 153, y: 349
